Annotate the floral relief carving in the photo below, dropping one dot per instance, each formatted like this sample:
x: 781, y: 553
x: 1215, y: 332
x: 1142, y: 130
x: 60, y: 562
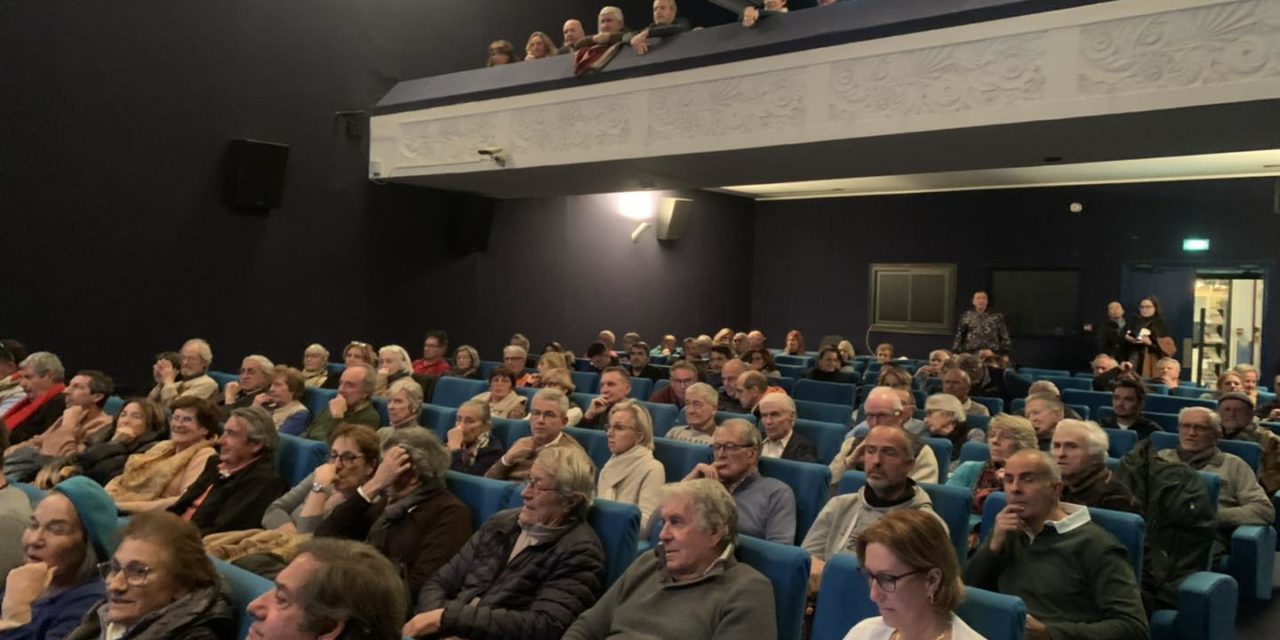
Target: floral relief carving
x: 743, y: 105
x: 448, y: 141
x: 1206, y: 45
x: 955, y: 78
x: 581, y: 125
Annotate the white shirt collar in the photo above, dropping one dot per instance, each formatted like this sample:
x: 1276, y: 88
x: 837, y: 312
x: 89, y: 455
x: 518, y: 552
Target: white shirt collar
x: 1077, y: 516
x: 770, y: 446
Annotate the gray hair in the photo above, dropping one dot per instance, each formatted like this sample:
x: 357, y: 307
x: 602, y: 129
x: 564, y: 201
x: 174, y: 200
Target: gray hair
x: 412, y: 391
x: 746, y: 431
x: 1215, y: 420
x: 948, y: 403
x: 202, y: 348
x: 1054, y: 404
x: 370, y: 377
x: 481, y: 406
x: 640, y: 414
x: 515, y: 349
x: 782, y: 397
x: 316, y: 347
x: 1045, y: 387
x: 713, y: 508
x: 406, y: 361
x: 354, y: 584
x: 259, y: 427
x: 574, y: 474
x: 555, y: 395
x: 704, y: 391
x: 1016, y: 427
x: 262, y: 361
x: 1095, y: 438
x: 430, y: 459
x: 43, y: 363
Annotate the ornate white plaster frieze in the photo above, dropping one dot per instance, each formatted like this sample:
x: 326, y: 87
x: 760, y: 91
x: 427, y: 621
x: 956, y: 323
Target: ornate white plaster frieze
x: 742, y: 105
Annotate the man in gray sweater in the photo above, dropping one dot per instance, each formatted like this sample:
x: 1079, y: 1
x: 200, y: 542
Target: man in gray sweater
x: 691, y: 586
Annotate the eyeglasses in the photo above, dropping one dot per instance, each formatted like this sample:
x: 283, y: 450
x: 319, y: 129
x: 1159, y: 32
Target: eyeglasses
x: 728, y: 448
x: 1198, y: 428
x: 345, y: 458
x: 537, y: 486
x: 549, y: 415
x: 135, y: 574
x: 882, y: 416
x: 887, y: 582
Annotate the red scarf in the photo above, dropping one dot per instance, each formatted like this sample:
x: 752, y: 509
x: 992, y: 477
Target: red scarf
x: 19, y: 413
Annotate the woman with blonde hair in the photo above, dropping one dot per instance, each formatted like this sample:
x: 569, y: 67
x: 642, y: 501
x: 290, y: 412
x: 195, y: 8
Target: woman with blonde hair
x: 501, y: 52
x: 466, y: 363
x: 1006, y: 435
x: 539, y: 45
x: 394, y: 364
x: 632, y: 475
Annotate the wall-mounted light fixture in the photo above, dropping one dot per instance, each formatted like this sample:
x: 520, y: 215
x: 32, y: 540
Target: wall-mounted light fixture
x: 646, y: 206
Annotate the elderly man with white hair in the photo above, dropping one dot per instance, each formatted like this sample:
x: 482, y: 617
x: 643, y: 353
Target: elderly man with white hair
x: 766, y: 507
x: 1080, y: 450
x: 190, y: 379
x: 691, y: 586
x: 884, y: 406
x: 256, y: 372
x: 41, y: 377
x: 778, y: 417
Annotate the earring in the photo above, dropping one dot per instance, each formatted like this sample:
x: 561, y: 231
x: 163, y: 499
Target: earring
x: 931, y: 597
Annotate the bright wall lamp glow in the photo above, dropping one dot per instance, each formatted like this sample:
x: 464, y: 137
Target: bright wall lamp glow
x: 638, y: 205
x: 1195, y: 244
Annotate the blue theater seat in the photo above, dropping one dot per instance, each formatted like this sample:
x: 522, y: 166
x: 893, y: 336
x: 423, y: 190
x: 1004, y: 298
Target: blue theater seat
x: 1042, y: 373
x: 617, y: 524
x: 595, y: 442
x: 663, y: 415
x: 297, y: 457
x: 380, y: 405
x: 808, y: 481
x: 840, y: 414
x: 245, y: 587
x: 317, y: 400
x: 787, y: 568
x: 784, y: 383
x: 438, y: 419
x: 113, y: 405
x: 826, y: 437
x: 484, y: 496
x: 994, y: 405
x: 978, y: 451
x: 641, y: 388
x: 1121, y: 442
x: 828, y: 392
x: 585, y: 381
x: 844, y: 599
x: 679, y: 458
x: 222, y: 378
x: 942, y: 451
x: 452, y: 392
x: 509, y: 430
x: 995, y: 616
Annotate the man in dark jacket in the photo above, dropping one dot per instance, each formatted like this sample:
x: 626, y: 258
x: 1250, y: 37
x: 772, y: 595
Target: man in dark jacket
x: 1111, y: 334
x: 665, y: 23
x: 1127, y: 399
x: 1080, y: 449
x: 236, y: 487
x: 638, y: 363
x: 778, y: 416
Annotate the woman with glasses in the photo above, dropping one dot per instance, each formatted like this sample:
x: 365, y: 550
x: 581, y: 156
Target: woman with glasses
x: 1006, y: 435
x: 71, y: 531
x: 154, y: 479
x: 503, y: 400
x: 404, y: 509
x: 914, y: 579
x: 632, y: 475
x: 561, y: 379
x: 1149, y: 338
x: 160, y: 585
x: 528, y: 572
x: 473, y: 447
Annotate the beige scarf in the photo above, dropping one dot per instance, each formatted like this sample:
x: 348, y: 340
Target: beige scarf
x: 619, y: 468
x: 146, y: 474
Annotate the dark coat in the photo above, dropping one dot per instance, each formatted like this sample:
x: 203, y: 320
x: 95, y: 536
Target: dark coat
x: 1144, y: 426
x: 419, y: 533
x: 104, y: 461
x: 800, y: 449
x: 535, y: 596
x: 39, y: 421
x: 205, y: 614
x: 651, y: 372
x: 484, y: 458
x: 236, y: 502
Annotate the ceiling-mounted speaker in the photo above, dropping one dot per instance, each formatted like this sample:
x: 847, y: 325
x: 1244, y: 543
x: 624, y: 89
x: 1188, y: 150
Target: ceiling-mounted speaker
x: 673, y: 217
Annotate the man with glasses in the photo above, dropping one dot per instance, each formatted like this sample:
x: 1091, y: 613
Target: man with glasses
x: 1238, y: 423
x: 699, y: 415
x: 1074, y: 576
x: 256, y: 374
x: 1241, y: 500
x: 432, y: 362
x: 548, y: 416
x: 766, y: 507
x: 778, y: 416
x: 890, y: 454
x: 681, y: 376
x: 189, y: 379
x: 883, y: 407
x: 515, y: 357
x: 352, y: 405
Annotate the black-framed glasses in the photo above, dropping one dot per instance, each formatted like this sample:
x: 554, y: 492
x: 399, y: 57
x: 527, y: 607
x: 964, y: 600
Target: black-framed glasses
x: 345, y: 458
x: 135, y: 573
x: 728, y: 447
x: 887, y: 582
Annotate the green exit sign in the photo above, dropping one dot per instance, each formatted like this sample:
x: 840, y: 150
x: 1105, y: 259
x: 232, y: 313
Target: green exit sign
x: 1195, y: 244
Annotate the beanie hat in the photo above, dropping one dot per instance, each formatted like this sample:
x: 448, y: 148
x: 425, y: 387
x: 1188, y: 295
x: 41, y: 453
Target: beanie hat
x: 96, y: 510
x: 1236, y: 395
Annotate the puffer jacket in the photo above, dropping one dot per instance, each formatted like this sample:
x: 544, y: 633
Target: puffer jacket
x: 105, y: 460
x: 204, y: 614
x: 535, y: 596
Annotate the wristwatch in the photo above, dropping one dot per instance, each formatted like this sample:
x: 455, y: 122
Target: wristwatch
x: 316, y: 487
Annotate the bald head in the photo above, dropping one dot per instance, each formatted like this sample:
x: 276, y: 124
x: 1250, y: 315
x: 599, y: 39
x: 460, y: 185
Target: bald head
x: 573, y: 31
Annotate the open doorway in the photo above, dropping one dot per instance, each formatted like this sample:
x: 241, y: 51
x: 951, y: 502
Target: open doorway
x: 1227, y: 327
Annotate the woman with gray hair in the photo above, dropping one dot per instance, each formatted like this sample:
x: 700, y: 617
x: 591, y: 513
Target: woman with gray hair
x: 404, y: 407
x: 466, y: 363
x: 1006, y: 435
x: 404, y: 510
x: 945, y: 416
x: 632, y: 475
x: 528, y: 572
x: 394, y: 364
x: 315, y: 364
x: 473, y: 446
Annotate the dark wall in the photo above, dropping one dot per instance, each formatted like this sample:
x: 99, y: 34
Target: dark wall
x: 117, y: 118
x: 811, y: 268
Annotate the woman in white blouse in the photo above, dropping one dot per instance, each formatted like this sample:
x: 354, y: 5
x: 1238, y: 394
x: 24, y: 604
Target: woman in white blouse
x: 632, y: 475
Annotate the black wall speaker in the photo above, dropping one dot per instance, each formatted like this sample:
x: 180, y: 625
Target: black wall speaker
x: 255, y: 174
x: 469, y: 223
x: 673, y: 217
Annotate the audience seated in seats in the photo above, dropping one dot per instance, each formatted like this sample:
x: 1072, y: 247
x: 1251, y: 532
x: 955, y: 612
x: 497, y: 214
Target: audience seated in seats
x: 500, y: 52
x: 284, y: 400
x: 632, y: 475
x: 159, y: 584
x: 945, y: 418
x: 606, y: 336
x: 1241, y: 500
x: 436, y: 344
x: 562, y: 380
x: 890, y: 455
x: 984, y: 380
x: 638, y: 361
x: 83, y: 422
x: 315, y: 365
x: 514, y: 358
x: 1228, y: 382
x: 794, y: 345
x: 956, y: 383
x: 1149, y: 337
x: 503, y: 400
x: 681, y: 376
x: 1248, y: 379
x: 751, y: 14
x: 828, y: 367
x: 778, y: 417
x: 893, y: 377
x: 936, y: 367
x: 473, y: 447
x: 71, y: 530
x: 550, y: 360
x: 755, y: 340
x: 332, y: 589
x: 915, y: 580
x: 1111, y: 332
x: 11, y: 391
x: 352, y: 404
x: 766, y: 507
x: 1006, y: 435
x: 404, y: 408
x: 255, y: 377
x: 700, y: 415
x: 466, y: 363
x: 761, y: 360
x: 884, y: 406
x: 234, y: 490
x: 913, y: 425
x: 41, y: 380
x: 404, y: 510
x: 669, y: 348
x: 1044, y: 411
x: 884, y: 353
x: 191, y: 378
x: 629, y: 338
x: 527, y: 572
x: 600, y: 356
x: 1271, y: 411
x: 539, y: 45
x: 1080, y: 450
x: 752, y: 386
x: 717, y: 356
x: 1049, y: 388
x: 846, y: 355
x: 354, y: 354
x: 981, y: 329
x: 15, y: 513
x: 1093, y: 593
x: 547, y: 420
x: 665, y: 23
x: 692, y: 586
x: 393, y: 365
x: 153, y: 479
x: 1105, y: 371
x: 1168, y: 371
x: 1127, y: 399
x: 615, y: 386
x: 741, y: 343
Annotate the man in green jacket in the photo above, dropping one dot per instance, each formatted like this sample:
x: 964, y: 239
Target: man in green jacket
x: 350, y: 406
